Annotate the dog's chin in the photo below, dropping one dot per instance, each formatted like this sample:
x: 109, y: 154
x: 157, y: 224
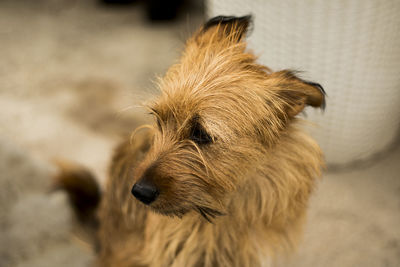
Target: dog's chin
x: 207, y: 213
x: 171, y: 212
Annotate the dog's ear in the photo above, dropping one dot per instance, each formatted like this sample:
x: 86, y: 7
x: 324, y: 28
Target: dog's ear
x: 233, y: 28
x: 296, y: 93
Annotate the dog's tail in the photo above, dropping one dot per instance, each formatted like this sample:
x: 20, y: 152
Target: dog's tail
x: 82, y: 189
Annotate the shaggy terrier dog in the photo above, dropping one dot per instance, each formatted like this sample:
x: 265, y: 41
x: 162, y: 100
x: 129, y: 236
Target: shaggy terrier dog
x: 224, y: 176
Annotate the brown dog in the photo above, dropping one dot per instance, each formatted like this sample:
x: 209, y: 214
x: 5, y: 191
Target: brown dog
x: 224, y: 177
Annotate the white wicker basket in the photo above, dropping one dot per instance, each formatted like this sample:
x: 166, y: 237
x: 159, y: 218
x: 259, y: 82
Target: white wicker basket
x: 351, y: 47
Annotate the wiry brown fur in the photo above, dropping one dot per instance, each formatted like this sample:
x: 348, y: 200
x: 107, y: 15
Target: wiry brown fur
x: 234, y: 172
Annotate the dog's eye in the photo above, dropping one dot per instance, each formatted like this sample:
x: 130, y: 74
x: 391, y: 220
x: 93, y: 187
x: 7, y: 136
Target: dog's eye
x: 199, y: 135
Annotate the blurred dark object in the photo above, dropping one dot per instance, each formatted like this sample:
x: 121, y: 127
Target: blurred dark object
x: 160, y: 10
x: 117, y: 2
x: 156, y: 10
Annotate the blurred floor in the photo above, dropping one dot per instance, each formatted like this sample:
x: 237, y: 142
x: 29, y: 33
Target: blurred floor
x: 354, y: 218
x: 72, y: 77
x: 74, y: 73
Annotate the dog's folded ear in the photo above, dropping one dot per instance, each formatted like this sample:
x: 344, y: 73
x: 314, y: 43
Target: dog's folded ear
x: 234, y: 28
x: 296, y: 93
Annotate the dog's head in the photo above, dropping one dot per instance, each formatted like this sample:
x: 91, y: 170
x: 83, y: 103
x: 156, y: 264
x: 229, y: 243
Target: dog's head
x: 217, y: 116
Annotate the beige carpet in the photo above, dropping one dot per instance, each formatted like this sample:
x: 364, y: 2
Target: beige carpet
x: 72, y: 77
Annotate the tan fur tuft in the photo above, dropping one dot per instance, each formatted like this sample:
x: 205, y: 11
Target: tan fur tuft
x: 82, y: 189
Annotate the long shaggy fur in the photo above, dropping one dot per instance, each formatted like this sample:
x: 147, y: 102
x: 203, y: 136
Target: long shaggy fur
x: 233, y: 170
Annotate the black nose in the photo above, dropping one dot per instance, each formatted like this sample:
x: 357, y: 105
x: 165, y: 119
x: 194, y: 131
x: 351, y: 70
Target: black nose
x: 145, y: 192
